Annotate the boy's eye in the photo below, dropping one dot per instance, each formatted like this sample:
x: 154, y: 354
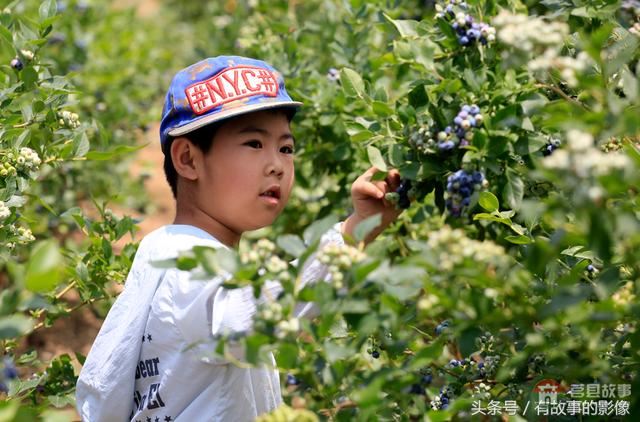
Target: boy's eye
x: 254, y: 144
x: 287, y: 150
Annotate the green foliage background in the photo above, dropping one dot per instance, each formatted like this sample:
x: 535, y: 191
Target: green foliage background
x: 510, y: 276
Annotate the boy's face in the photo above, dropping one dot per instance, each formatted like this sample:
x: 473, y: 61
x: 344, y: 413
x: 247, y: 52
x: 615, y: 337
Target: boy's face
x: 248, y: 173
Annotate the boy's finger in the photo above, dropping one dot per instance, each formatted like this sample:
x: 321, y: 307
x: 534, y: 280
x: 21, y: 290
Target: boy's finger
x: 393, y: 179
x: 369, y: 189
x: 367, y: 175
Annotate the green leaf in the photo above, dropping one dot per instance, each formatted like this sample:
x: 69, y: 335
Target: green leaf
x: 514, y: 191
x: 81, y: 145
x: 620, y: 53
x: 488, y: 201
x: 45, y: 267
x: 114, y: 153
x: 518, y: 240
x: 48, y: 8
x: 396, y: 155
x: 291, y: 244
x: 352, y: 83
x: 287, y: 356
x: 375, y: 158
x: 16, y: 325
x: 313, y: 233
x: 5, y: 34
x: 366, y: 226
x: 406, y: 28
x: 491, y: 217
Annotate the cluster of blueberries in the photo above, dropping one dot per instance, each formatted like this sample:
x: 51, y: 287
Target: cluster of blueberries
x: 442, y: 400
x: 9, y: 372
x: 461, y: 133
x: 460, y: 186
x: 550, y: 147
x: 466, y: 29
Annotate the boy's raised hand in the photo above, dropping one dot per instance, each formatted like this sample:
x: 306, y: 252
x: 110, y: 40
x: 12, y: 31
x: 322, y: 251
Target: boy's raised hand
x: 368, y: 200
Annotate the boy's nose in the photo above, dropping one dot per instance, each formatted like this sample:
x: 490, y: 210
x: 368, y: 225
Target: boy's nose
x: 275, y: 166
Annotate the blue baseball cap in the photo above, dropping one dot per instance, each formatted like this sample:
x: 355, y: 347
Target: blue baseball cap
x: 219, y: 88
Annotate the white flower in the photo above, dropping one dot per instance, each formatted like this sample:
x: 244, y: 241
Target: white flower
x: 578, y: 140
x: 28, y: 54
x: 5, y: 212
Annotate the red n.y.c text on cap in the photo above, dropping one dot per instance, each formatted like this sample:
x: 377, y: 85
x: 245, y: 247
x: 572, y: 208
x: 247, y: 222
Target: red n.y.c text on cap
x: 229, y: 85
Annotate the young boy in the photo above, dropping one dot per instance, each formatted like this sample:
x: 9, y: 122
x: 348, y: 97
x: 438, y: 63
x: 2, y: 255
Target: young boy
x: 229, y: 160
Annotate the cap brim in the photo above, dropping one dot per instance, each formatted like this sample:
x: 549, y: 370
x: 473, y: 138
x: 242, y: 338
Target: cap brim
x: 232, y: 112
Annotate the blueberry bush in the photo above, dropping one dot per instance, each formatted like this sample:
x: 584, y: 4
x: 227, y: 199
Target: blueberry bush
x: 514, y: 126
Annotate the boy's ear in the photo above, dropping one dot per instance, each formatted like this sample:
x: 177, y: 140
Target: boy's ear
x: 183, y: 155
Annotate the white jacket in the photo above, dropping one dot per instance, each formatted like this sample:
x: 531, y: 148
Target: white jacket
x: 153, y: 358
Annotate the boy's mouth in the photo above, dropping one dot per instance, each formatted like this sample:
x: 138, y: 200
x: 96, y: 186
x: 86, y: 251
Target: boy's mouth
x: 273, y: 192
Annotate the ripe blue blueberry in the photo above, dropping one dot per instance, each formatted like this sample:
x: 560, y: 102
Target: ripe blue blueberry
x: 416, y: 389
x: 426, y: 379
x: 375, y: 354
x: 10, y: 370
x: 292, y: 380
x: 403, y: 192
x: 17, y: 64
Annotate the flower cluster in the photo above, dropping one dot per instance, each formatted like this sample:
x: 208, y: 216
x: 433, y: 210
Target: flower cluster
x: 583, y: 159
x: 27, y: 54
x: 69, y: 119
x: 24, y: 235
x: 263, y: 254
x: 338, y: 259
x: 538, y: 42
x: 28, y: 159
x: 452, y: 247
x: 460, y: 186
x: 286, y: 327
x: 5, y: 212
x: 529, y: 34
x: 568, y: 67
x: 551, y: 146
x: 624, y: 296
x: 467, y: 31
x: 270, y: 311
x: 482, y: 391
